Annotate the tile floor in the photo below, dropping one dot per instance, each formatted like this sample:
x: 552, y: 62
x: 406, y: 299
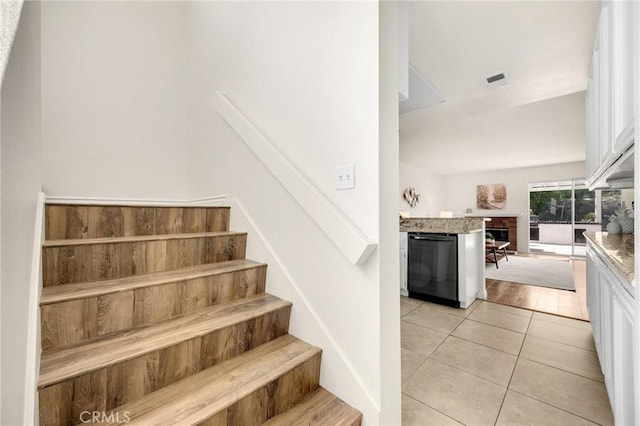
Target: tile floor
x: 498, y: 365
x: 571, y: 304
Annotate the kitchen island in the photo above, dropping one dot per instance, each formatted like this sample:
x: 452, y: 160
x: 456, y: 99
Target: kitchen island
x: 470, y: 254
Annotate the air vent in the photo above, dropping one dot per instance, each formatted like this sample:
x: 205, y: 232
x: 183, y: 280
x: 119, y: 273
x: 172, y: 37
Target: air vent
x: 495, y: 78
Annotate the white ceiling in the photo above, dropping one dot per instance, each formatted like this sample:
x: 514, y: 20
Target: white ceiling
x: 536, y: 118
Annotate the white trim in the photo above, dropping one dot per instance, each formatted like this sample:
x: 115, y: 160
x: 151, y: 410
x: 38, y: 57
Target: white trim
x: 351, y: 241
x: 33, y: 320
x: 92, y: 201
x: 255, y: 232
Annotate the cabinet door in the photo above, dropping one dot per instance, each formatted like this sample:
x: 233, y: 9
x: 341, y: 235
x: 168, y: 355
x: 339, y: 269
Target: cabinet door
x: 604, y: 56
x: 606, y: 334
x: 622, y: 73
x: 403, y: 272
x: 623, y: 366
x: 593, y: 300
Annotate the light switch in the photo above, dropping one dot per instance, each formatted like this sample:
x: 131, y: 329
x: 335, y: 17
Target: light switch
x: 345, y: 177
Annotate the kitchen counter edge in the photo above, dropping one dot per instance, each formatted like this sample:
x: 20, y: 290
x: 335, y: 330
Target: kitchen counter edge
x: 441, y: 225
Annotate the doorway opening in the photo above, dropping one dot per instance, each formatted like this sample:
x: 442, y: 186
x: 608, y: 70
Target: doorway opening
x: 559, y: 213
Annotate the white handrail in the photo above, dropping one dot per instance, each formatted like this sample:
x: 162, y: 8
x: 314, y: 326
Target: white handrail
x: 353, y: 243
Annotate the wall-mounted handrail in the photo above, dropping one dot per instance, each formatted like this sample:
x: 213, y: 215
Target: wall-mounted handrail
x: 353, y: 243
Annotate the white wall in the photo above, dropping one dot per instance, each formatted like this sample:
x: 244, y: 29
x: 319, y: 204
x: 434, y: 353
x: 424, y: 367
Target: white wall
x: 428, y: 184
x: 20, y: 185
x: 114, y: 99
x: 388, y: 250
x: 306, y: 74
x: 460, y: 190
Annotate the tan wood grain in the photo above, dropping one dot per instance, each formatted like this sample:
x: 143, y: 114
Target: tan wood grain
x: 115, y: 312
x: 196, y: 294
x: 106, y: 221
x: 110, y: 259
x: 56, y: 404
x: 139, y: 221
x: 139, y: 238
x: 66, y: 222
x: 68, y: 363
x: 68, y: 322
x: 63, y: 265
x: 245, y: 374
x: 319, y: 408
x: 217, y: 219
x: 84, y: 221
x: 252, y: 410
x: 169, y: 220
x: 154, y: 313
x: 56, y: 294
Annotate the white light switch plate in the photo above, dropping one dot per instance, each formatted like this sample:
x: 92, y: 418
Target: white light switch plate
x: 345, y: 177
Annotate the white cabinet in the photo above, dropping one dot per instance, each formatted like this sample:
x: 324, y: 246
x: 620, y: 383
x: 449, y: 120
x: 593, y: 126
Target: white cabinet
x: 610, y: 114
x: 611, y: 312
x: 403, y: 264
x: 471, y: 280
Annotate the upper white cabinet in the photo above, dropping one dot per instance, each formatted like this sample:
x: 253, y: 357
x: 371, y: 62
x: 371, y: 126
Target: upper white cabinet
x: 610, y: 110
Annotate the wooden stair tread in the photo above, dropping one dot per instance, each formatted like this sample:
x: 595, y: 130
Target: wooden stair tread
x: 65, y: 363
x: 197, y: 397
x: 319, y: 408
x: 136, y: 239
x: 75, y: 291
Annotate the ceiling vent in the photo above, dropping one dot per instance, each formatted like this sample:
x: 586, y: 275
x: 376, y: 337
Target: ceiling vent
x: 496, y: 79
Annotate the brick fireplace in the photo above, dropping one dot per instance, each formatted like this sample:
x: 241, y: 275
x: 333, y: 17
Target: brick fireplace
x: 508, y: 223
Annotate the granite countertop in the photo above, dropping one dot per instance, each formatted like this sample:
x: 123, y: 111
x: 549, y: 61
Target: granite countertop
x: 618, y: 249
x: 442, y: 225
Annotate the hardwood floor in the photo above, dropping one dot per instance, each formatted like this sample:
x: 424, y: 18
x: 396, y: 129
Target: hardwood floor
x: 543, y: 299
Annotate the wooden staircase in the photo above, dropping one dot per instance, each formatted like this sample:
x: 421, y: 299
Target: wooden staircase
x: 153, y: 316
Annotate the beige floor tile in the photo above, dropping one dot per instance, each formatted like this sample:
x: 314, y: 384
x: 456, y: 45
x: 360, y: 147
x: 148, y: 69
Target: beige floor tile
x: 578, y: 395
x: 405, y: 308
x: 459, y: 395
x: 410, y: 362
x: 420, y: 339
x: 578, y: 337
x: 411, y: 301
x: 489, y: 335
x: 458, y: 312
x: 520, y: 410
x: 487, y: 363
x: 415, y: 413
x: 569, y: 358
x: 505, y: 308
x: 562, y: 320
x: 500, y: 318
x: 433, y: 318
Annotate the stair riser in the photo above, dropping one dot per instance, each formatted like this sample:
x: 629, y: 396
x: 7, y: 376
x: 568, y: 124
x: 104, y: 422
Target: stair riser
x: 129, y: 380
x: 94, y: 262
x: 74, y: 222
x: 276, y: 397
x: 273, y: 399
x: 75, y: 321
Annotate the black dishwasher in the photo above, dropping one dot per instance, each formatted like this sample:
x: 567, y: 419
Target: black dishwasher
x: 433, y: 268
